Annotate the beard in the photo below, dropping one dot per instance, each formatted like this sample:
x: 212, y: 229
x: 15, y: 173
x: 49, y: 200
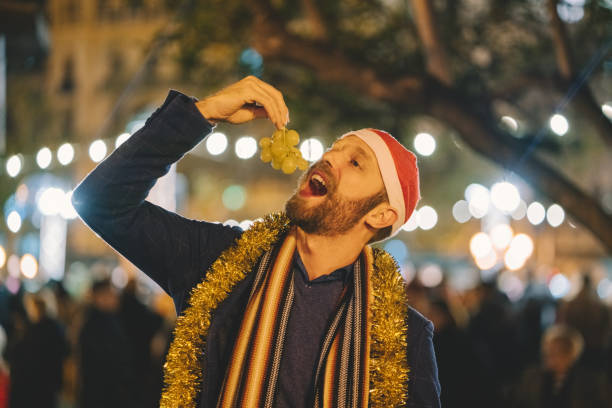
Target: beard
x: 336, y: 214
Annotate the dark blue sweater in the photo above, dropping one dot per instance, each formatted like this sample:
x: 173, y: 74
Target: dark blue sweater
x: 176, y: 252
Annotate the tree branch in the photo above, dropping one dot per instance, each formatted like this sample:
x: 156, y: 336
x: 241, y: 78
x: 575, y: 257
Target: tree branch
x: 501, y: 148
x: 313, y: 15
x: 560, y: 41
x: 437, y: 63
x: 585, y: 100
x: 590, y: 109
x: 273, y: 42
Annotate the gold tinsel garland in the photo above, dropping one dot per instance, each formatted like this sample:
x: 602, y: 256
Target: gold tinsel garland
x: 389, y: 349
x: 388, y: 353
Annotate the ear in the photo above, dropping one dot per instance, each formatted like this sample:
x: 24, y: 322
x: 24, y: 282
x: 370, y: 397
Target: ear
x: 381, y: 216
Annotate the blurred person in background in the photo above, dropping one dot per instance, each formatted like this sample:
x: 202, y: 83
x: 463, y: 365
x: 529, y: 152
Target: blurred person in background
x: 591, y: 317
x: 537, y: 311
x: 36, y: 358
x: 459, y: 371
x: 492, y: 333
x: 4, y: 372
x: 70, y: 314
x: 140, y: 324
x: 105, y: 365
x: 560, y: 382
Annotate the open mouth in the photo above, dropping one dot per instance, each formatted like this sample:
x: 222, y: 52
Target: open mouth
x: 316, y: 186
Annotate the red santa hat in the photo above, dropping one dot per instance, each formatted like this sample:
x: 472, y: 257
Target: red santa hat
x: 399, y: 171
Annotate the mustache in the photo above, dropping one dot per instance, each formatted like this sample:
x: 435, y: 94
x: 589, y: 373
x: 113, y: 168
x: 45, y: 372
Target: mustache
x: 325, y: 168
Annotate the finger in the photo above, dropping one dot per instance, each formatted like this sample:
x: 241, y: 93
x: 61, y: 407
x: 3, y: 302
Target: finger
x: 277, y: 116
x: 278, y: 97
x: 258, y: 95
x: 266, y: 95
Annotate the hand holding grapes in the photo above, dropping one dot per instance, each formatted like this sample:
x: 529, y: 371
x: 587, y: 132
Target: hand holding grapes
x: 252, y: 98
x: 244, y: 101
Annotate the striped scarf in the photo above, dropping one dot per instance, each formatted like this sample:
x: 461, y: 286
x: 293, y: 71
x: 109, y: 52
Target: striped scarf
x: 342, y: 376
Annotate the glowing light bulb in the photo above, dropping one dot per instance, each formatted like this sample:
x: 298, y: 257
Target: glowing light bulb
x: 65, y: 154
x: 505, y: 196
x: 480, y: 245
x: 121, y: 139
x: 501, y: 235
x: 246, y: 147
x: 478, y: 198
x: 312, y: 149
x: 559, y: 124
x: 216, y: 143
x: 13, y: 221
x: 44, y: 157
x: 97, y: 150
x: 13, y: 165
x: 555, y: 215
x: 428, y: 217
x: 28, y: 266
x: 461, y: 211
x: 536, y: 213
x: 424, y: 144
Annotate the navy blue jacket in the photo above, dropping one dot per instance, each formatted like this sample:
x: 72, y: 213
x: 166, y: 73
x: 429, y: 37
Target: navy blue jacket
x: 176, y: 252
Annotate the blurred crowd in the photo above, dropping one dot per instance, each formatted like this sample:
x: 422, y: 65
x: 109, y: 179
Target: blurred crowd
x: 535, y: 352
x: 108, y: 349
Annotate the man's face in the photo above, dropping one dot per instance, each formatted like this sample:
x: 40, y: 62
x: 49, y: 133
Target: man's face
x: 337, y: 191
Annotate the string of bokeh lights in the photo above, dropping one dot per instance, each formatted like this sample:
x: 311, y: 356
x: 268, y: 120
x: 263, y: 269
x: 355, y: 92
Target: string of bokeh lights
x: 497, y: 247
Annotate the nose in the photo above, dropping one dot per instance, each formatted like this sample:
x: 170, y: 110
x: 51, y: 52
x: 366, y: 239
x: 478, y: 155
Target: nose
x: 333, y: 157
x: 332, y: 160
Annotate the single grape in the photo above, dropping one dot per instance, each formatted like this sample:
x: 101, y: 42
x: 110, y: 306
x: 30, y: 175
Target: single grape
x: 292, y: 138
x: 302, y: 164
x: 289, y: 165
x: 266, y: 155
x: 276, y: 163
x: 265, y: 142
x: 278, y: 135
x: 279, y: 149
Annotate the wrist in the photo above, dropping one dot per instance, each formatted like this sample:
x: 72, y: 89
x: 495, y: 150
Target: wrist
x: 206, y: 111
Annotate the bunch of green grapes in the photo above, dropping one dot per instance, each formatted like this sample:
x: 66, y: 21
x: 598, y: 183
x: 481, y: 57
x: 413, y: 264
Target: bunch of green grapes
x: 282, y: 152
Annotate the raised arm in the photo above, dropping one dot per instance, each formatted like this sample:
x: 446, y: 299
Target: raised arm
x: 172, y: 250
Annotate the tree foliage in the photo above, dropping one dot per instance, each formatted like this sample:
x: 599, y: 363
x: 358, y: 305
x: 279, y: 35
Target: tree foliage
x: 464, y: 63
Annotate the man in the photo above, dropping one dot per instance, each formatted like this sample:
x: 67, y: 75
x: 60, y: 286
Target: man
x: 37, y: 358
x: 561, y: 381
x: 297, y: 311
x: 106, y: 372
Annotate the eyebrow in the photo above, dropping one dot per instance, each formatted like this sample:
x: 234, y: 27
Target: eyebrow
x: 361, y: 152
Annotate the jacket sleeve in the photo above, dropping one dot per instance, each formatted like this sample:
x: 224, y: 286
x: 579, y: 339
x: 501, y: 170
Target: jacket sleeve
x: 424, y: 384
x: 174, y: 251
